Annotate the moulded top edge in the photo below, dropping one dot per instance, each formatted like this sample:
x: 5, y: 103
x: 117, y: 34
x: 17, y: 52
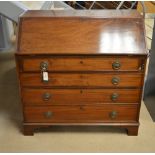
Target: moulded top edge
x: 82, y: 13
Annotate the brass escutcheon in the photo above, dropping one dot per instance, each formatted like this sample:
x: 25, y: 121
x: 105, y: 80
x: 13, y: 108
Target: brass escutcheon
x: 116, y: 65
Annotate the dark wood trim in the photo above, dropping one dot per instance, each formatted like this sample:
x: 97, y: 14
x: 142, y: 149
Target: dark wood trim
x: 29, y: 128
x: 82, y: 13
x: 132, y: 130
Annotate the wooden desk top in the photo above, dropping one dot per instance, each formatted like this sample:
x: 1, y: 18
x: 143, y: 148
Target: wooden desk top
x: 82, y: 32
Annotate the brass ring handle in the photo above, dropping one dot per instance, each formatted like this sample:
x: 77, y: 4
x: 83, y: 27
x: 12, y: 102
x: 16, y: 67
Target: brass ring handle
x: 113, y: 114
x: 115, y: 80
x: 46, y: 96
x: 116, y: 65
x: 48, y: 114
x: 114, y: 96
x: 44, y: 66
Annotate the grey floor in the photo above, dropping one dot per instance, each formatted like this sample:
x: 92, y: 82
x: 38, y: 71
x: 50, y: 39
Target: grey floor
x: 150, y: 105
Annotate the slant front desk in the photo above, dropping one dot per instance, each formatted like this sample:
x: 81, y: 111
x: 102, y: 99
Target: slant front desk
x: 81, y: 68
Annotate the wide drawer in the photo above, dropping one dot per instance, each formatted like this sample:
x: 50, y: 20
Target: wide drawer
x: 83, y: 80
x: 79, y: 96
x: 83, y: 63
x: 97, y: 113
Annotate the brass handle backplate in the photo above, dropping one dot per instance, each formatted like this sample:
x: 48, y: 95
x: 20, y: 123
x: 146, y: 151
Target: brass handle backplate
x: 113, y: 114
x: 44, y: 66
x: 46, y: 96
x: 116, y: 65
x: 115, y: 80
x: 48, y: 114
x: 114, y: 96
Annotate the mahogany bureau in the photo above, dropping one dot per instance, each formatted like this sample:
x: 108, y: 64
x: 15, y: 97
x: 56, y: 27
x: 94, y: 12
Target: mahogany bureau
x: 81, y: 68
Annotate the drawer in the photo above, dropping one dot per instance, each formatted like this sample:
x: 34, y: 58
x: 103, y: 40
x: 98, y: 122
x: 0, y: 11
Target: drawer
x: 83, y: 80
x: 83, y: 64
x: 79, y: 96
x: 77, y: 114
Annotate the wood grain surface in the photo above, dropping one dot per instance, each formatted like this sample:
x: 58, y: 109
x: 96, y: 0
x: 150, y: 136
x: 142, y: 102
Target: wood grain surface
x: 79, y: 96
x: 82, y: 13
x: 76, y: 63
x: 81, y: 113
x: 82, y: 80
x: 81, y: 35
x: 80, y: 49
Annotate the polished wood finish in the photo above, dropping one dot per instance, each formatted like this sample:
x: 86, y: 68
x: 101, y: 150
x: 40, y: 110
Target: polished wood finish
x: 28, y: 130
x: 82, y: 13
x: 81, y: 35
x: 83, y: 80
x: 95, y: 61
x: 83, y: 114
x: 80, y: 96
x: 132, y: 130
x: 83, y: 63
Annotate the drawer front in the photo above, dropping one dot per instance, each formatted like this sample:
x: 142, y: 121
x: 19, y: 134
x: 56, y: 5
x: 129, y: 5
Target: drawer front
x: 83, y: 80
x: 83, y: 64
x: 77, y: 114
x: 79, y: 96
